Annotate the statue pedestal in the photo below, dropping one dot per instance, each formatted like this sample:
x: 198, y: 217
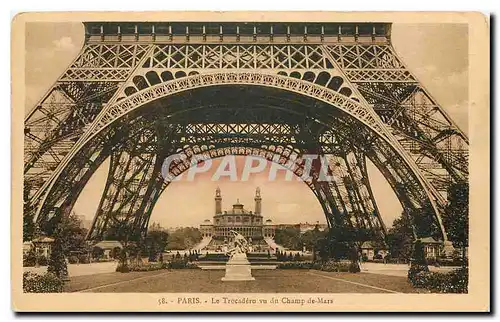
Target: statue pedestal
x: 238, y: 269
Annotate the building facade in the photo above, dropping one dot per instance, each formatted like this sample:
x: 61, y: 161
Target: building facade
x: 247, y: 223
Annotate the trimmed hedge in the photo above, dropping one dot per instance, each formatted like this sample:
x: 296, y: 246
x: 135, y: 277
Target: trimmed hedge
x: 334, y: 266
x: 455, y: 281
x: 47, y: 283
x: 147, y: 268
x: 295, y: 265
x: 180, y: 264
x: 330, y: 266
x: 175, y: 264
x: 211, y: 257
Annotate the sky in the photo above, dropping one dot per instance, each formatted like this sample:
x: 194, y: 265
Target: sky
x: 436, y: 53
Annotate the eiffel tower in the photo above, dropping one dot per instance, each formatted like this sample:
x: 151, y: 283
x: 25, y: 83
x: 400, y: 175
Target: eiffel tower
x: 139, y: 92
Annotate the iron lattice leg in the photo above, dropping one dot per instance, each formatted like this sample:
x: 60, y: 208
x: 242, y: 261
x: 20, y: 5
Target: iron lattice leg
x: 76, y: 175
x: 127, y: 187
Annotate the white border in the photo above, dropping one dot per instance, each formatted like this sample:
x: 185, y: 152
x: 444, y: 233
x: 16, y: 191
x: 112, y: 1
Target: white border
x: 8, y: 9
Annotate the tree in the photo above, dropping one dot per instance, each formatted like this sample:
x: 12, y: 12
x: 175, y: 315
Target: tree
x: 425, y: 222
x: 123, y: 232
x: 183, y: 238
x: 73, y: 234
x: 114, y: 253
x: 155, y: 241
x: 310, y: 238
x: 57, y: 262
x: 418, y: 263
x: 97, y: 252
x: 28, y: 227
x: 28, y: 218
x: 400, y: 237
x: 339, y: 242
x: 456, y: 217
x: 289, y: 238
x: 69, y: 230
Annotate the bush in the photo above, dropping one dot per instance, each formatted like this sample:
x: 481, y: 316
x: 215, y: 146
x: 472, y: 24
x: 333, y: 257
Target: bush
x: 452, y: 282
x: 364, y: 258
x: 416, y: 269
x: 47, y: 283
x: 433, y: 261
x: 29, y: 259
x: 354, y: 267
x: 122, y: 262
x: 83, y: 259
x: 122, y: 268
x: 42, y: 261
x: 73, y: 259
x: 450, y: 262
x: 458, y: 281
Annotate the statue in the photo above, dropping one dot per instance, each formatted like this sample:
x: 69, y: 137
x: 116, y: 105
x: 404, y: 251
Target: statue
x: 237, y: 267
x: 240, y: 245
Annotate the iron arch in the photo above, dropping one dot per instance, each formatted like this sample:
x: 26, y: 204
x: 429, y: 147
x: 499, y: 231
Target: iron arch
x: 368, y: 132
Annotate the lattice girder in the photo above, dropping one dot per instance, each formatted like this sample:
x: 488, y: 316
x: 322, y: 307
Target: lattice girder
x: 438, y: 146
x: 72, y: 104
x: 126, y: 188
x: 380, y: 106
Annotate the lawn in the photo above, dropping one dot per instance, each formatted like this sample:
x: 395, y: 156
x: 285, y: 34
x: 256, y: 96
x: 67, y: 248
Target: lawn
x: 266, y: 281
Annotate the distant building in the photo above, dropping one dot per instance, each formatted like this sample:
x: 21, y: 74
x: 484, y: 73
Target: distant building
x: 302, y: 227
x: 369, y: 251
x: 239, y: 219
x: 432, y: 247
x: 249, y: 224
x: 107, y: 246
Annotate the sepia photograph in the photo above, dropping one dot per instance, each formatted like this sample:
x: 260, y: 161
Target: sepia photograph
x: 237, y: 161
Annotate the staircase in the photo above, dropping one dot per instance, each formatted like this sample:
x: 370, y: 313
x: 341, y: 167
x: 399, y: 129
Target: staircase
x: 202, y: 244
x: 270, y: 242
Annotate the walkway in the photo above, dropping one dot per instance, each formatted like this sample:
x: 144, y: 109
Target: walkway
x: 397, y: 269
x: 80, y: 269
